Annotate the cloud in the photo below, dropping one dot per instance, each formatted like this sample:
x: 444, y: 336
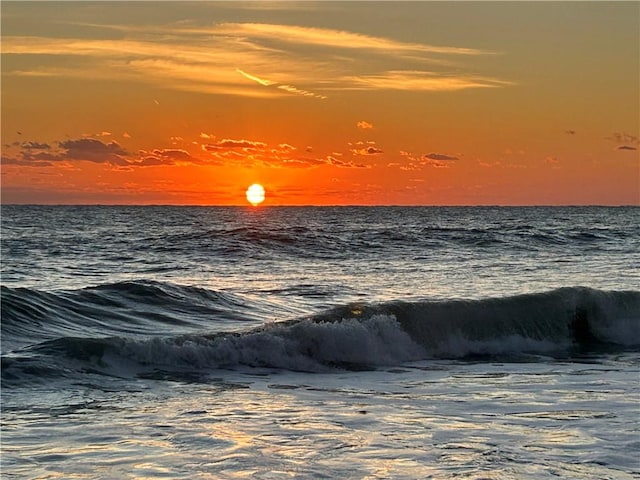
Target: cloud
x: 94, y: 150
x: 366, y: 151
x: 35, y: 146
x: 221, y: 58
x: 308, y: 162
x: 417, y: 162
x: 43, y: 156
x: 6, y: 160
x: 215, y: 76
x: 251, y: 152
x: 234, y: 152
x: 364, y: 125
x: 439, y: 160
x: 335, y: 38
x: 286, y: 5
x: 33, y: 154
x: 439, y: 157
x: 261, y: 81
x: 298, y: 91
x: 152, y: 161
x: 37, y: 154
x: 294, y: 162
x: 332, y: 160
x: 624, y: 138
x: 484, y: 164
x: 287, y: 147
x: 287, y: 88
x: 168, y: 156
x: 228, y: 144
x: 625, y: 141
x: 510, y: 151
x: 415, y: 80
x: 282, y: 155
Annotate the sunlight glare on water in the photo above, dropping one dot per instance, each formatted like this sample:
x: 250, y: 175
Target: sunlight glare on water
x: 420, y: 421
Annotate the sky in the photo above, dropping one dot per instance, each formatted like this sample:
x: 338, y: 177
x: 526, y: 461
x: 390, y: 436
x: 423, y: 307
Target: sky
x: 323, y: 103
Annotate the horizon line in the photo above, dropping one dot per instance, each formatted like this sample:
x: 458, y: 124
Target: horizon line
x: 359, y: 205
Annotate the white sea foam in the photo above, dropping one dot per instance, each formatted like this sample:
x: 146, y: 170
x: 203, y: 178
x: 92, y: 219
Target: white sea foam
x: 305, y: 345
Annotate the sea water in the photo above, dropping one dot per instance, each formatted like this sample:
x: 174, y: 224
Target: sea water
x: 317, y: 342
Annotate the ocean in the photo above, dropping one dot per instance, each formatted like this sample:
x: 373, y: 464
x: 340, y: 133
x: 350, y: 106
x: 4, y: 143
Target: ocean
x: 320, y: 342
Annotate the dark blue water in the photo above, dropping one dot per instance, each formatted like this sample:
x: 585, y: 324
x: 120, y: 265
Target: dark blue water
x: 102, y: 304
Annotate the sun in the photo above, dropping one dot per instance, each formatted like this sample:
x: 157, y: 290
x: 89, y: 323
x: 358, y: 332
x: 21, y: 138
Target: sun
x: 255, y: 194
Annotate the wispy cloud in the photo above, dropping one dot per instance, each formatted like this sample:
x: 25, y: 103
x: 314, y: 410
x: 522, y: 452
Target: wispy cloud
x: 228, y: 59
x: 625, y: 141
x: 288, y: 88
x: 230, y: 144
x: 306, y: 93
x: 421, y: 81
x: 440, y: 156
x: 336, y: 38
x: 418, y: 162
x: 364, y: 125
x: 623, y: 137
x: 282, y: 155
x: 261, y: 5
x: 30, y: 162
x: 35, y: 146
x: 371, y: 150
x: 261, y: 81
x: 159, y: 157
x: 338, y: 162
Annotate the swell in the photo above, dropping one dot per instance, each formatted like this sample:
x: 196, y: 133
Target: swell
x: 326, y: 234
x: 562, y: 322
x: 125, y: 308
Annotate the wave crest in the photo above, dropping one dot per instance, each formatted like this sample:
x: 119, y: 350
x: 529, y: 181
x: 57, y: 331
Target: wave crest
x: 540, y: 322
x: 562, y: 322
x: 305, y: 345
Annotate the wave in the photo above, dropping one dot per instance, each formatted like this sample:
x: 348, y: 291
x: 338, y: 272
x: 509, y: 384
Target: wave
x: 125, y: 308
x: 322, y: 233
x: 564, y: 318
x: 562, y: 322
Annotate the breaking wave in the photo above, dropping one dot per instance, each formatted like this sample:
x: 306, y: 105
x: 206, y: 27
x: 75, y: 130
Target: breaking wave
x: 563, y: 322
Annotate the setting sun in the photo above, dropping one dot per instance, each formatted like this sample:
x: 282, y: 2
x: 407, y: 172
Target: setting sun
x: 255, y: 194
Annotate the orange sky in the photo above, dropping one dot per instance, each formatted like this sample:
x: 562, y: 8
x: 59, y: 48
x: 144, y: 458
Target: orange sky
x: 327, y: 103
